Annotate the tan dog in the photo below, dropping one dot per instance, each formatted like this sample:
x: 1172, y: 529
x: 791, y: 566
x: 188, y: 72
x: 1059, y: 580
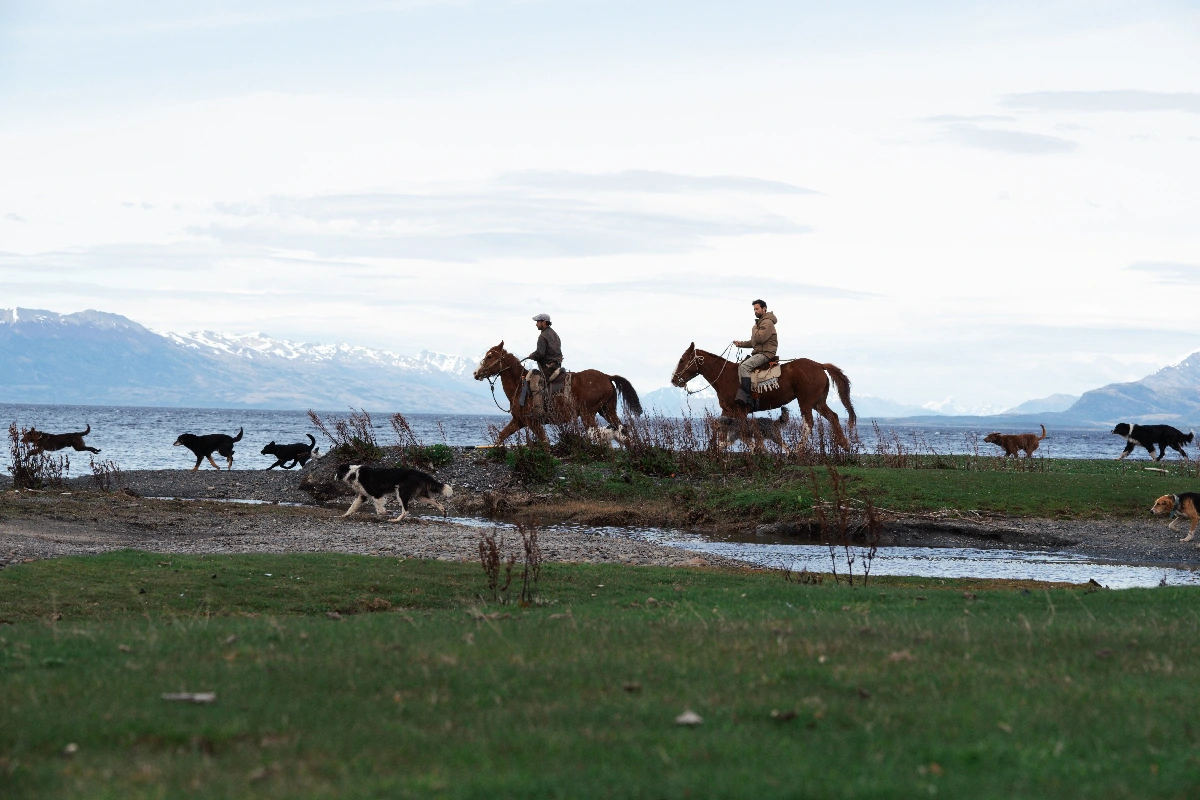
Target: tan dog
x: 1013, y: 443
x: 1180, y: 507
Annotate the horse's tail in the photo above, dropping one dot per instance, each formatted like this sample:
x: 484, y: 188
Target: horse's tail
x: 843, y: 389
x: 628, y: 394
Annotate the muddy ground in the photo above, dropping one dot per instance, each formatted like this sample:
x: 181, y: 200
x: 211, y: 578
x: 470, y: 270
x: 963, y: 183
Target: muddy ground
x: 79, y: 519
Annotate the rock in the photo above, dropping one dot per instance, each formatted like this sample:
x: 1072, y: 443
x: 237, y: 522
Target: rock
x: 689, y: 717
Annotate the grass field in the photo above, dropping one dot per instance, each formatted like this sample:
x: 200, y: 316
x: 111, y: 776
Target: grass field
x: 1062, y: 488
x: 904, y: 688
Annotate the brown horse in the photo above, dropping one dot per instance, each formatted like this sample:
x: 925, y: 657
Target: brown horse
x: 802, y: 380
x: 592, y: 392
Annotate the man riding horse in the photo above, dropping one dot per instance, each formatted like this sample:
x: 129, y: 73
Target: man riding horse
x: 548, y: 354
x: 764, y: 344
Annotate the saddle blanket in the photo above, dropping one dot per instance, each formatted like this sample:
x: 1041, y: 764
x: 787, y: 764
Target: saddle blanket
x: 765, y: 380
x: 536, y: 385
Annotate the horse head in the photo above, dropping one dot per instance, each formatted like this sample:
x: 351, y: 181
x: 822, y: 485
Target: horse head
x: 688, y: 367
x: 492, y: 363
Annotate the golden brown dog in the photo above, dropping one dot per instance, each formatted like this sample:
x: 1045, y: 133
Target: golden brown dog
x: 1180, y: 507
x: 1013, y: 443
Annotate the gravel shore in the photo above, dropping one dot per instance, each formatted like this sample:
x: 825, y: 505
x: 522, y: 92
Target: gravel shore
x: 279, y: 517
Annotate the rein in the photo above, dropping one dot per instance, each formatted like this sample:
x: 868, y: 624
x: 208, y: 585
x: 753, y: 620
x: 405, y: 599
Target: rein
x: 492, y: 383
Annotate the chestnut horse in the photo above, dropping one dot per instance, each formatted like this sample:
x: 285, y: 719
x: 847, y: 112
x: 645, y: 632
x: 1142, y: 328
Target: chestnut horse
x: 592, y: 392
x: 802, y: 380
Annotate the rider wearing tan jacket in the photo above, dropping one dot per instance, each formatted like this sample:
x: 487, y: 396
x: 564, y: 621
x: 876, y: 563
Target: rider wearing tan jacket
x: 764, y: 344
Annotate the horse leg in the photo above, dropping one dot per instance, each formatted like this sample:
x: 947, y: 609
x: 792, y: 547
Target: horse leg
x: 806, y: 427
x: 508, y: 430
x: 834, y: 423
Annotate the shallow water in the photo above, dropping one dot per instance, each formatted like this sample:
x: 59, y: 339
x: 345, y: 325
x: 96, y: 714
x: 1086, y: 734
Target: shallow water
x: 921, y: 562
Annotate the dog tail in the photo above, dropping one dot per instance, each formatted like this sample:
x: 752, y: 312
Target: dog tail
x: 312, y: 440
x: 843, y: 389
x: 783, y: 416
x: 1043, y: 436
x: 628, y: 394
x: 238, y: 438
x: 89, y: 430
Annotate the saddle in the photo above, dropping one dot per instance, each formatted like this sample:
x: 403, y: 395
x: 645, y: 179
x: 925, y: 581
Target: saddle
x: 539, y: 389
x: 766, y: 379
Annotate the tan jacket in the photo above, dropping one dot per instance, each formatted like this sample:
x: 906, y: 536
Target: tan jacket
x: 763, y: 338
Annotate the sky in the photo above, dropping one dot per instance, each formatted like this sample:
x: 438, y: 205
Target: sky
x: 963, y: 205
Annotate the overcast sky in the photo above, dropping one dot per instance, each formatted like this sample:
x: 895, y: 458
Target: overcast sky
x: 960, y: 204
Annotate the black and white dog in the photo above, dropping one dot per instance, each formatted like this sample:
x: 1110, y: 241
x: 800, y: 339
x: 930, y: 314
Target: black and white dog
x: 381, y: 483
x: 295, y: 453
x: 1151, y: 436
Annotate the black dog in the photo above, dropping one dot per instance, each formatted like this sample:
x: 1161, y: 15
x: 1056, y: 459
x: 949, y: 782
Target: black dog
x: 204, y: 446
x: 295, y: 453
x: 1151, y: 436
x: 381, y: 483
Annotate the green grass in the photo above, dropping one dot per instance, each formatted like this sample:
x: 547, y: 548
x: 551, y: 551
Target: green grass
x: 1046, y: 488
x: 904, y: 688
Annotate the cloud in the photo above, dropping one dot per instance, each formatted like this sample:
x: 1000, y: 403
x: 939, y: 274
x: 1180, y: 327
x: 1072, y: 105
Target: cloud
x: 715, y: 286
x: 1016, y: 142
x: 639, y: 180
x: 523, y: 215
x: 968, y: 118
x: 1125, y: 100
x: 1168, y: 271
x: 11, y: 217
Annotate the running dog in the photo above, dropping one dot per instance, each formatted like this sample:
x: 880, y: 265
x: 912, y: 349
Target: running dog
x: 1151, y: 436
x: 295, y: 453
x: 381, y: 483
x: 606, y: 434
x: 1180, y: 507
x: 205, y: 446
x: 1014, y: 443
x: 43, y: 442
x: 750, y: 430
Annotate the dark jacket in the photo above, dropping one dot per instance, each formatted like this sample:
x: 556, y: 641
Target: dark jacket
x: 548, y: 354
x: 763, y: 338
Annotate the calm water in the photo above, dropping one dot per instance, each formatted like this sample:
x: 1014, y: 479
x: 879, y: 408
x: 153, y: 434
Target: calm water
x: 141, y: 438
x: 922, y: 562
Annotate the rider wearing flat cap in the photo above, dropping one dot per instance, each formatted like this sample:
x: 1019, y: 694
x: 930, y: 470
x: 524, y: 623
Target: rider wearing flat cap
x: 548, y: 354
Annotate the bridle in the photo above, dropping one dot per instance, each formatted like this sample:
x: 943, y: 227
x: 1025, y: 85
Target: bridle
x: 698, y: 362
x: 491, y: 379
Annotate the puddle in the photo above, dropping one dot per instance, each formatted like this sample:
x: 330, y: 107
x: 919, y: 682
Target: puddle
x: 918, y: 562
x: 228, y: 500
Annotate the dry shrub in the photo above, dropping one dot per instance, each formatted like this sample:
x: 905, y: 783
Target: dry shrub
x: 34, y: 471
x: 351, y: 437
x: 106, y: 475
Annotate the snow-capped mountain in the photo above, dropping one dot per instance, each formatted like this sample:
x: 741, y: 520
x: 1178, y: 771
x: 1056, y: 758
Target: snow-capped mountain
x: 96, y: 358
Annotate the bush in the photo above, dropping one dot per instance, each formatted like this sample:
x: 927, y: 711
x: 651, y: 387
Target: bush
x: 434, y: 456
x: 532, y: 463
x: 657, y: 461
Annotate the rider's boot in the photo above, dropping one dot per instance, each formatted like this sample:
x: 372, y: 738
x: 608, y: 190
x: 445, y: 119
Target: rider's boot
x: 743, y: 395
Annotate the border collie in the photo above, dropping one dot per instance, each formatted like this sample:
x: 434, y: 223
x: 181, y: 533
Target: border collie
x: 43, y: 441
x: 381, y: 483
x: 204, y: 446
x: 295, y: 453
x: 1151, y: 436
